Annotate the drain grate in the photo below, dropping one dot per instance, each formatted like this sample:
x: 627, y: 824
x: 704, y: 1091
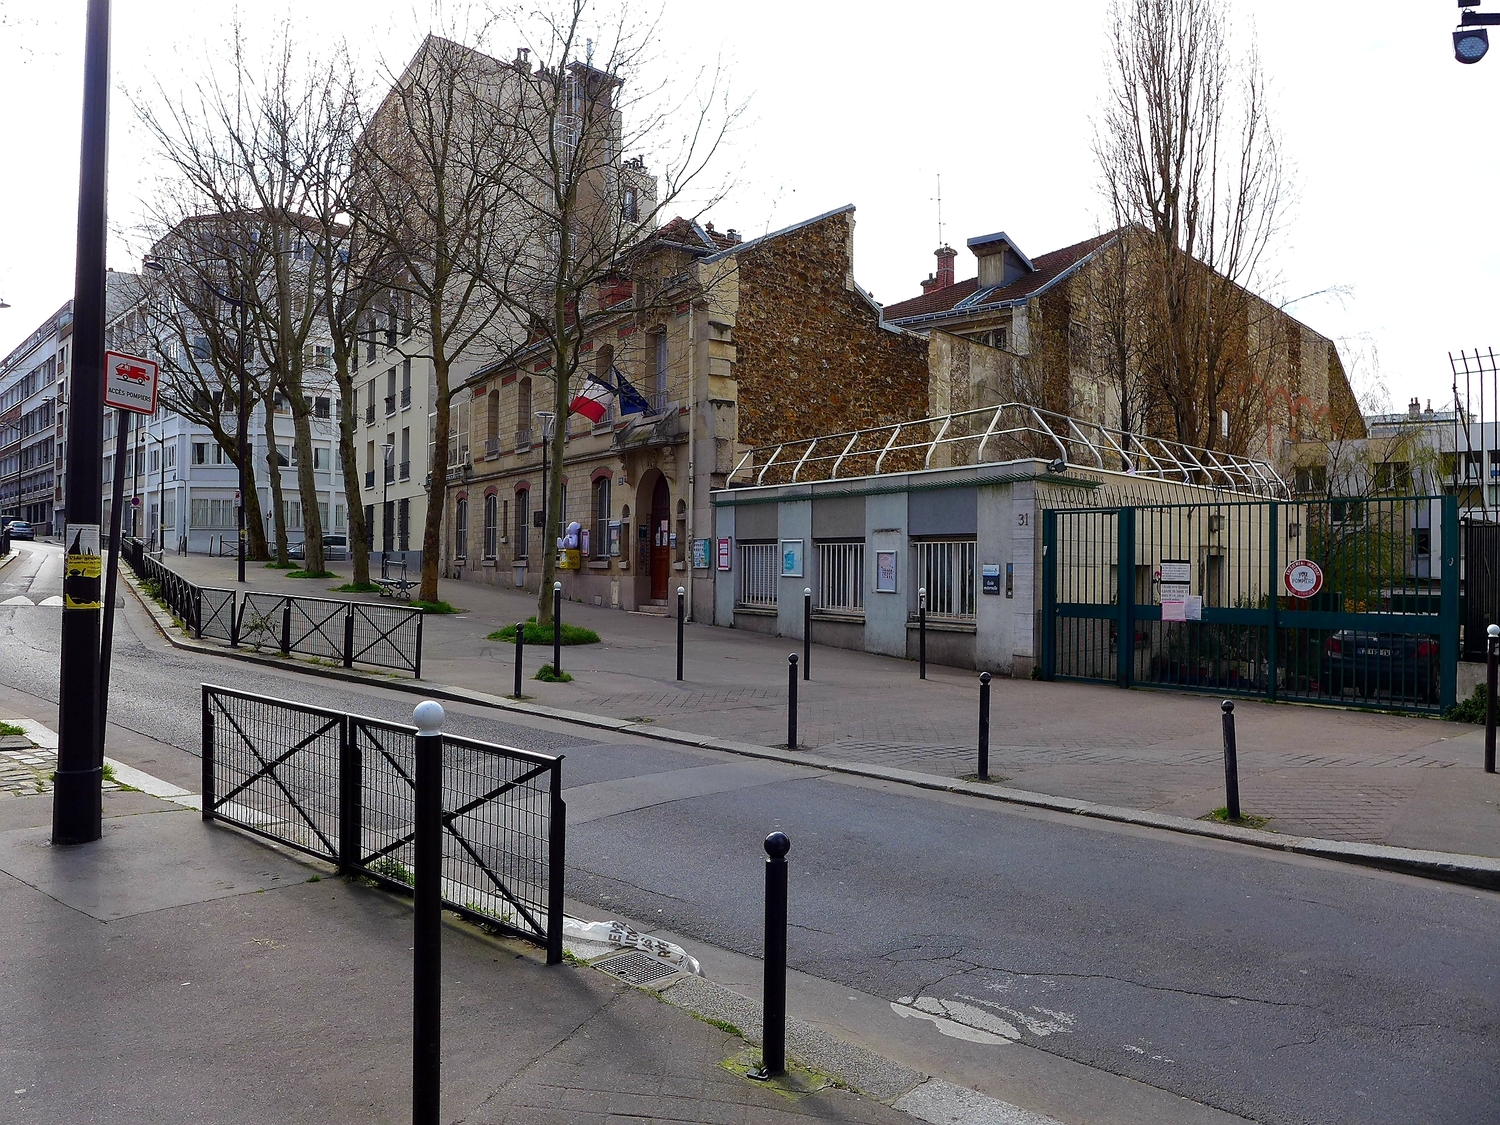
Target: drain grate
x: 637, y: 968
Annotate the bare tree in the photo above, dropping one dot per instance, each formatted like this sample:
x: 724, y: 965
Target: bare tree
x: 1188, y: 155
x: 577, y: 204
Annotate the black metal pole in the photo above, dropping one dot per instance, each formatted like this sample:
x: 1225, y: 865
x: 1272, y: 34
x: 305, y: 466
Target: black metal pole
x: 557, y: 630
x: 1493, y: 639
x: 922, y: 633
x: 76, y: 809
x: 791, y: 701
x: 807, y: 632
x: 773, y: 993
x: 984, y: 726
x: 107, y: 627
x: 681, y: 610
x: 520, y: 653
x: 241, y: 424
x: 1231, y: 764
x: 427, y: 948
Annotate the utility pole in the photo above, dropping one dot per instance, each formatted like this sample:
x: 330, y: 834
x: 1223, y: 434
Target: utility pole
x: 76, y: 807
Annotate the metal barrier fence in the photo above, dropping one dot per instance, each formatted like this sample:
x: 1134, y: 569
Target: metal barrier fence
x: 340, y: 787
x: 1198, y: 596
x: 386, y: 636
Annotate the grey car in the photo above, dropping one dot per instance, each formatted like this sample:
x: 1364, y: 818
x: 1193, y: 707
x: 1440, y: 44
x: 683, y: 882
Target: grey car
x: 19, y: 529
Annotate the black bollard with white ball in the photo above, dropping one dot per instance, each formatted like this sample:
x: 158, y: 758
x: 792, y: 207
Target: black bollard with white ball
x: 427, y: 946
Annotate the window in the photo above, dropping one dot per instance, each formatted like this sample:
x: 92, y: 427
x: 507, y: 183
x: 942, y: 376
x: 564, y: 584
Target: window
x: 403, y: 524
x: 841, y: 577
x: 200, y: 453
x: 1393, y: 476
x: 492, y: 424
x: 405, y: 452
x: 521, y: 542
x: 369, y: 527
x: 213, y: 513
x: 1310, y: 480
x: 997, y: 337
x: 405, y: 383
x: 321, y: 406
x: 945, y: 568
x: 523, y: 414
x: 599, y: 540
x: 390, y: 391
x: 171, y: 460
x: 760, y: 569
x: 340, y: 518
x: 461, y: 530
x: 659, y: 371
x: 292, y: 514
x: 320, y: 457
x: 153, y: 462
x: 370, y: 404
x: 491, y: 525
x: 631, y: 206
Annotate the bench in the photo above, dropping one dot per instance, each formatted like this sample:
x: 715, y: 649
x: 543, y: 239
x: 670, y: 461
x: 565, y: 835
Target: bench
x: 395, y: 587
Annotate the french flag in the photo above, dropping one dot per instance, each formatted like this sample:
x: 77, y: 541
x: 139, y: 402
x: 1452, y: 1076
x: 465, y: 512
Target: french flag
x: 593, y: 401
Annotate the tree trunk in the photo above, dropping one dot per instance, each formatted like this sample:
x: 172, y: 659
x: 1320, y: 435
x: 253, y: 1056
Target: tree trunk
x: 255, y: 528
x: 307, y: 483
x: 555, y: 492
x: 359, y: 548
x: 437, y: 481
x: 273, y: 467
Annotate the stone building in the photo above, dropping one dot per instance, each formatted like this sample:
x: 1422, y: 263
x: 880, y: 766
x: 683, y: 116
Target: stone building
x: 731, y: 344
x: 1037, y: 331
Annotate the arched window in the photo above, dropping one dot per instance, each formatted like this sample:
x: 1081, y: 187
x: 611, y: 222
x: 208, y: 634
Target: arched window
x: 599, y: 541
x: 521, y: 540
x: 461, y: 530
x: 491, y: 524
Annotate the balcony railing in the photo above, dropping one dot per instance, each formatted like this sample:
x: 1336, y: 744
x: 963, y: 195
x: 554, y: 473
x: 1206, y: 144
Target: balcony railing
x: 406, y: 470
x: 390, y: 474
x: 523, y: 439
x: 370, y: 414
x: 390, y: 405
x: 370, y: 479
x: 492, y: 447
x: 405, y: 397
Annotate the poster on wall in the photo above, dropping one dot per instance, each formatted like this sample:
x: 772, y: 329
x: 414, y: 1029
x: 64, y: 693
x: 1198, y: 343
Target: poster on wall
x: 791, y: 558
x: 614, y: 539
x: 700, y: 554
x: 726, y: 552
x: 885, y: 572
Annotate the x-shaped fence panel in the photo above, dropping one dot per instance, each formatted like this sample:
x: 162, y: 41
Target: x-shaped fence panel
x: 387, y: 636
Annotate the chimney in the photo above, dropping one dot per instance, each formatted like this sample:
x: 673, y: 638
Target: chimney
x: 1414, y: 408
x: 944, y: 276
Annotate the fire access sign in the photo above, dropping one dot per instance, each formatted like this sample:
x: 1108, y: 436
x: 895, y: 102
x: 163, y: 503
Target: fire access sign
x: 130, y: 383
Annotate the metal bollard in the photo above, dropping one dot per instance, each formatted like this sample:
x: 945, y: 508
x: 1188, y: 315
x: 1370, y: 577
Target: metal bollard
x: 791, y: 702
x: 807, y: 633
x: 1231, y: 764
x: 984, y: 726
x: 557, y: 629
x: 520, y: 653
x: 773, y: 989
x: 1493, y: 633
x: 681, y: 611
x: 427, y: 948
x: 348, y: 635
x: 922, y: 631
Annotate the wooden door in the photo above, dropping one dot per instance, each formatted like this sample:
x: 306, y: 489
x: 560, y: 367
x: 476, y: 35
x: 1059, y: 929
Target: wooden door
x: 661, y: 540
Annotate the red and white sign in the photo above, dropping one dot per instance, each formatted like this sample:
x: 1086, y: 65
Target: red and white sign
x: 130, y: 383
x: 726, y: 553
x: 1304, y: 578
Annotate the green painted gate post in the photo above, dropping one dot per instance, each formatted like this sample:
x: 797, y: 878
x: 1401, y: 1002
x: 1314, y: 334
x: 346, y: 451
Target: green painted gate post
x: 1449, y: 635
x: 1049, y: 593
x: 1274, y: 589
x: 1125, y: 597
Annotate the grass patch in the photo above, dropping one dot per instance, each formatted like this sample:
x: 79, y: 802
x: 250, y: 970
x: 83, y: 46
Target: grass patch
x: 548, y: 676
x: 311, y: 574
x: 394, y: 869
x: 356, y: 588
x: 722, y: 1025
x: 542, y: 634
x: 1246, y: 820
x: 8, y: 729
x: 436, y: 607
x: 315, y: 878
x: 109, y: 772
x: 1469, y: 710
x: 274, y: 565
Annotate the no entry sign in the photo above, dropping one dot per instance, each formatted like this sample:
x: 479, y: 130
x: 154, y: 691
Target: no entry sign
x: 130, y: 383
x: 1304, y: 578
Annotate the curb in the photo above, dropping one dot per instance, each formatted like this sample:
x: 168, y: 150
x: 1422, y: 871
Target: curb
x: 1482, y: 872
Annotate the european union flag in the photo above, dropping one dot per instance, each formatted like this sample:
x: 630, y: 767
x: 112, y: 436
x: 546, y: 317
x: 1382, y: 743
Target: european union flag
x: 631, y: 400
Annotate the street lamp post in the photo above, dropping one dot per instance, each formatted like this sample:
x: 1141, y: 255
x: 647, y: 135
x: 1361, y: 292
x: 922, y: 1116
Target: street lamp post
x: 387, y: 533
x: 547, y: 417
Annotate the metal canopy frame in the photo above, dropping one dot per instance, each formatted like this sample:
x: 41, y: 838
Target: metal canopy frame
x: 979, y: 437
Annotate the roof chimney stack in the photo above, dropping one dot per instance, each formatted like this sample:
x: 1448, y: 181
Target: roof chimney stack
x: 946, y: 256
x: 1414, y: 408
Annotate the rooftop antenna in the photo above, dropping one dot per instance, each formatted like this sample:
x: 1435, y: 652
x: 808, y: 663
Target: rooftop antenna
x: 940, y: 209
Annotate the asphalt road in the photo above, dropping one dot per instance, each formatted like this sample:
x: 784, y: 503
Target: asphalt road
x: 1279, y: 989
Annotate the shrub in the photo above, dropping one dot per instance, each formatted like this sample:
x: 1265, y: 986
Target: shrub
x: 542, y: 634
x: 1469, y: 710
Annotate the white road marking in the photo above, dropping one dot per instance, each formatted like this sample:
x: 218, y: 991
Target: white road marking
x: 957, y: 1021
x: 943, y: 1103
x: 19, y: 599
x: 55, y: 599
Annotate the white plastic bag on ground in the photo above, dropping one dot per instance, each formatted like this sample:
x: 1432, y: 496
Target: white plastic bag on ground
x: 618, y: 933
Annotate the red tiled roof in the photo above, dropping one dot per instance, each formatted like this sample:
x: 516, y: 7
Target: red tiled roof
x: 686, y: 232
x: 1048, y: 268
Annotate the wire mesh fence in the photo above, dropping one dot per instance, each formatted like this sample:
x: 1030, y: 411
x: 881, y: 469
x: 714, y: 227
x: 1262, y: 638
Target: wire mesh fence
x: 341, y: 787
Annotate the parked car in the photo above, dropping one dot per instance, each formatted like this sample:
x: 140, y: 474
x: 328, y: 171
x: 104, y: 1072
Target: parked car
x: 296, y: 550
x: 1397, y: 666
x: 335, y: 546
x: 20, y: 530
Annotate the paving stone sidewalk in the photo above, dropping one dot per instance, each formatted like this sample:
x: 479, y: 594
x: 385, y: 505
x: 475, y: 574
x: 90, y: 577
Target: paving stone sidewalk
x: 1317, y: 771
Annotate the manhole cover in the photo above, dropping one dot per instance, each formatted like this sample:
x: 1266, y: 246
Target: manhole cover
x: 637, y: 968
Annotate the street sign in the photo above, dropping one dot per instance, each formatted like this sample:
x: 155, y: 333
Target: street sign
x: 130, y: 383
x: 1304, y: 578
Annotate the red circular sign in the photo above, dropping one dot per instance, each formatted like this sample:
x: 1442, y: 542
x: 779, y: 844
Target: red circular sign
x: 1304, y: 578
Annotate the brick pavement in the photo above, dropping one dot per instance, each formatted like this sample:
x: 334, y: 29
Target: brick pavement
x: 1340, y: 774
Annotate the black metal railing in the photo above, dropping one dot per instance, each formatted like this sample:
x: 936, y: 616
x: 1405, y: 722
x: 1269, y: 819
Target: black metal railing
x: 384, y: 636
x: 341, y: 787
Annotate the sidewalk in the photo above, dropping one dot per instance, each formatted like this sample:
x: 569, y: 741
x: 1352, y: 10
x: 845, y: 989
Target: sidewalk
x: 174, y: 972
x: 1314, y: 771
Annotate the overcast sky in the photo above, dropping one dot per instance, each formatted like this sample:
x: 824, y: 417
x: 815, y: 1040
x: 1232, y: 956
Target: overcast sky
x: 867, y: 103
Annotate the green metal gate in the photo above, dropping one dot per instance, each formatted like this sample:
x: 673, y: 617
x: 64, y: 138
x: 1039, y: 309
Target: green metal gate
x: 1194, y: 596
